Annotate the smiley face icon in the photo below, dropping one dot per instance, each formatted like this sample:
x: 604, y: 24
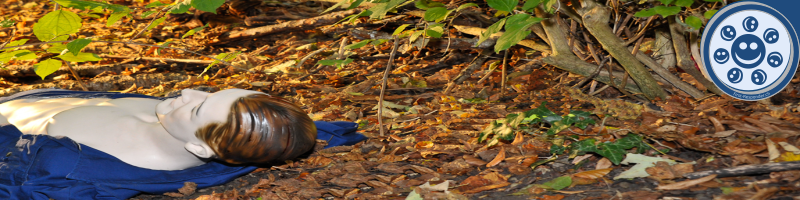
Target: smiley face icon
x: 748, y: 51
x: 758, y: 77
x: 735, y: 75
x: 750, y: 24
x: 774, y: 59
x: 728, y: 33
x: 771, y: 36
x: 721, y: 56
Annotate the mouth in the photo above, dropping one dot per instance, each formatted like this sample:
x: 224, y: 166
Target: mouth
x: 748, y: 62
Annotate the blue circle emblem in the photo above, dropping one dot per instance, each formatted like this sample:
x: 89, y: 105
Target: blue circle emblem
x: 761, y: 42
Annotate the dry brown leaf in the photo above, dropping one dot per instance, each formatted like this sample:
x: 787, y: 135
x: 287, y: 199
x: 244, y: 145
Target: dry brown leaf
x: 724, y: 133
x: 717, y: 124
x: 593, y: 174
x: 518, y: 139
x: 580, y: 158
x: 473, y: 160
x: 483, y: 182
x: 497, y: 159
x: 773, y: 150
x: 686, y: 184
x: 603, y: 164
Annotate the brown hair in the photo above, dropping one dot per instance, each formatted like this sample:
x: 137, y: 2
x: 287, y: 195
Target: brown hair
x: 260, y: 129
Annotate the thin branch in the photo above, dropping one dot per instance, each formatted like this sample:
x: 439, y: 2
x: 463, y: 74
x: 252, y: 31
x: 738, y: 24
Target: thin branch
x: 384, y: 83
x: 131, y: 43
x: 503, y: 75
x: 75, y: 74
x: 145, y: 27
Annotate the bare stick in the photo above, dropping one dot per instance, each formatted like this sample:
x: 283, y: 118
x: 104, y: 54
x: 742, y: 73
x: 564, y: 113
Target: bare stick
x: 300, y: 64
x: 74, y: 74
x: 503, y: 75
x: 131, y: 43
x: 748, y: 170
x: 145, y: 28
x: 384, y: 83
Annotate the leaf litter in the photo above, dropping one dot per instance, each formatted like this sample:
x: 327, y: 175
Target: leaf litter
x: 472, y: 142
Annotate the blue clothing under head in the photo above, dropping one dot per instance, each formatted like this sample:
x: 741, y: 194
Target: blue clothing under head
x: 46, y: 167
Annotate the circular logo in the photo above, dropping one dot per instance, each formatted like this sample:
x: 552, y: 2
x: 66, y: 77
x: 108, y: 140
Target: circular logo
x: 762, y: 44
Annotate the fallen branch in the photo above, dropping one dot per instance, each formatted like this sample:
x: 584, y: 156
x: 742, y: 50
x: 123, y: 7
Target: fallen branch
x: 669, y: 76
x: 294, y: 25
x: 748, y: 170
x: 595, y: 20
x: 384, y: 84
x: 105, y: 83
x: 683, y: 56
x: 563, y: 58
x: 169, y: 60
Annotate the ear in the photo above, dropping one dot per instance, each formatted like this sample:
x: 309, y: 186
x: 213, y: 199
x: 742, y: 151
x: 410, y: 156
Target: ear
x: 201, y: 150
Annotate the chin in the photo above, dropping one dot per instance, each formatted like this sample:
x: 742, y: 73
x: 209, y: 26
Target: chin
x: 164, y: 107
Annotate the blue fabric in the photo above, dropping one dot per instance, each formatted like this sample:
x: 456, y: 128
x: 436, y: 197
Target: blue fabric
x: 46, y: 167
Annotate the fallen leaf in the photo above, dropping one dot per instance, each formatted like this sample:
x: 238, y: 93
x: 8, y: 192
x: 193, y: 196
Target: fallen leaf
x: 593, y: 174
x: 724, y: 133
x: 789, y: 147
x: 483, y: 182
x: 497, y: 159
x: 773, y: 150
x: 686, y: 184
x: 473, y: 160
x: 642, y: 163
x: 603, y: 163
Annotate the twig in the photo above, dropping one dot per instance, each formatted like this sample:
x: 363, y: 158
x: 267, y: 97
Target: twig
x: 595, y: 73
x: 300, y: 64
x: 145, y: 27
x: 641, y: 32
x: 503, y: 75
x: 293, y: 25
x: 77, y: 78
x: 342, y: 44
x: 384, y: 84
x: 748, y: 170
x: 175, y: 60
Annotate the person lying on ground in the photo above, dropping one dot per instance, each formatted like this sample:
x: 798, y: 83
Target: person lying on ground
x: 58, y: 144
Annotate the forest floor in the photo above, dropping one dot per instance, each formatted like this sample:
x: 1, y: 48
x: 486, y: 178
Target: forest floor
x: 439, y: 101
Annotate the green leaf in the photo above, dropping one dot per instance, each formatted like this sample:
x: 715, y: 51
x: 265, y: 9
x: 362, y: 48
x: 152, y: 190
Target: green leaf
x: 465, y: 6
x: 76, y: 45
x: 148, y: 13
x: 436, y: 14
x: 549, y: 6
x: 18, y: 54
x: 709, y: 14
x: 357, y: 45
x: 90, y: 5
x: 614, y: 152
x: 559, y: 183
x: 713, y: 0
x: 355, y: 4
x: 193, y: 31
x: 494, y: 28
x: 156, y: 22
x: 400, y: 29
x: 557, y: 149
x: 530, y: 5
x: 337, y: 63
x: 155, y: 4
x: 666, y: 2
x: 694, y: 22
x: 517, y: 28
x: 46, y: 67
x: 15, y: 43
x: 427, y: 4
x: 227, y: 57
x: 631, y: 141
x: 665, y: 11
x: 57, y: 48
x: 684, y: 3
x: 379, y: 10
x: 645, y: 13
x: 164, y: 44
x: 337, y: 5
x: 81, y: 57
x: 415, y: 35
x: 578, y: 118
x: 541, y: 113
x: 55, y: 24
x: 113, y: 18
x: 489, y: 130
x: 378, y: 42
x: 584, y: 146
x: 7, y: 23
x: 207, y: 5
x: 503, y: 5
x: 435, y: 30
x: 180, y: 8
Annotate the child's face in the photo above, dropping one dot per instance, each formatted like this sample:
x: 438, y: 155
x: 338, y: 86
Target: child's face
x: 184, y: 115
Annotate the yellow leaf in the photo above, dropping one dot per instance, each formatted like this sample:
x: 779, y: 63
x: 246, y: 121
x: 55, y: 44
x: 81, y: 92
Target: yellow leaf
x: 788, y: 157
x: 593, y: 174
x: 497, y: 159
